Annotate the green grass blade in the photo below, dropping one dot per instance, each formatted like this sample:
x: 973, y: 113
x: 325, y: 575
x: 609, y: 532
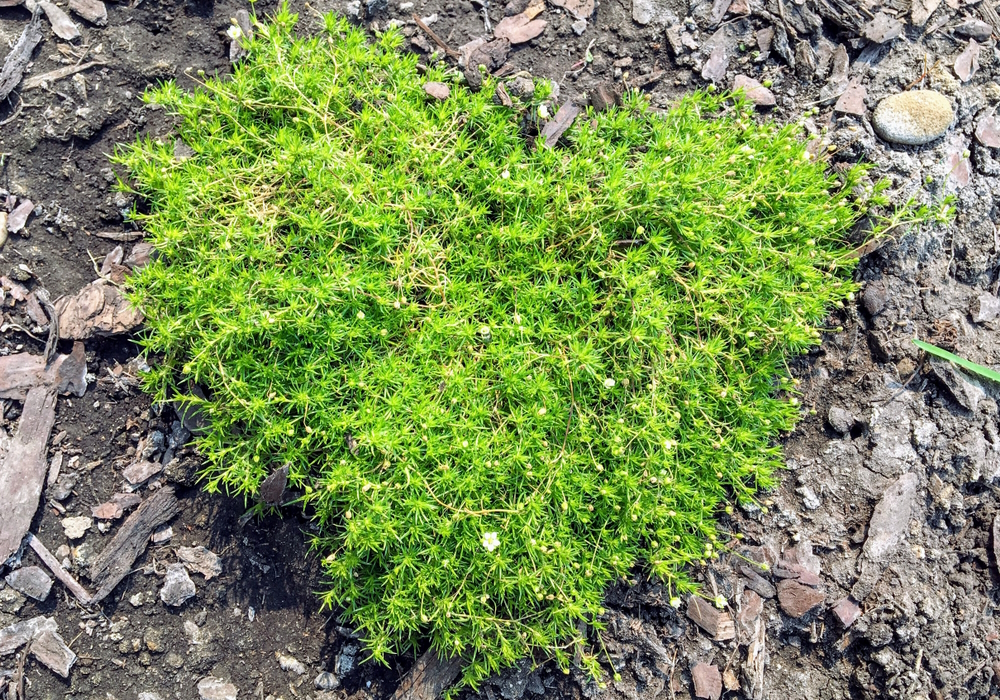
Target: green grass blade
x: 961, y: 361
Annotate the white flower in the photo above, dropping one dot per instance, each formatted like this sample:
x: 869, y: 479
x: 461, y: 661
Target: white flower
x: 720, y: 601
x: 361, y: 315
x: 234, y: 32
x: 543, y: 111
x: 491, y: 541
x: 609, y: 383
x: 675, y: 602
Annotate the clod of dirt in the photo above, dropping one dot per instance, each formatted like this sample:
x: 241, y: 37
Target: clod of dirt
x: 707, y: 681
x: 326, y: 681
x: 797, y: 599
x: 62, y: 26
x: 985, y: 308
x: 840, y: 419
x: 882, y: 28
x: 211, y: 688
x: 52, y: 652
x: 289, y: 664
x: 652, y: 12
x: 755, y: 92
x: 30, y: 581
x: 97, y: 309
x: 966, y: 391
x: 94, y: 11
x: 200, y: 560
x: 177, y: 586
x: 889, y: 521
x: 913, y: 118
x: 522, y: 87
x: 76, y: 527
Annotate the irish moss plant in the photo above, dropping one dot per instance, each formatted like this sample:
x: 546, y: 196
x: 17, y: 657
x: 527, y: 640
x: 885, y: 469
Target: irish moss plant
x: 502, y: 375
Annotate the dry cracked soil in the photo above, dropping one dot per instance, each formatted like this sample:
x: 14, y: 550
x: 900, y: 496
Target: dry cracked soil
x: 880, y: 546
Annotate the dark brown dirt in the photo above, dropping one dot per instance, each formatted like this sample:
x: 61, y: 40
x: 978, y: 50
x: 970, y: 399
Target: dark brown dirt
x: 928, y: 627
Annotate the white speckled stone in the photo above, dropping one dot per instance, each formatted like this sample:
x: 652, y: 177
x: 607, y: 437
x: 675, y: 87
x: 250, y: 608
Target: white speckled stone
x: 913, y: 118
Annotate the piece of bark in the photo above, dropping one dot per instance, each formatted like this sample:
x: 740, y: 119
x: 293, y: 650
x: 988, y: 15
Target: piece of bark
x: 996, y: 542
x: 847, y: 611
x: 719, y: 625
x: 50, y: 649
x: 94, y: 11
x: 22, y: 473
x: 66, y: 374
x: 141, y: 471
x: 796, y: 599
x: 20, y: 56
x: 605, y: 96
x: 62, y: 25
x: 707, y: 681
x: 56, y: 568
x: 554, y: 130
x: 123, y: 236
x: 97, y: 309
x: 115, y: 562
x: 429, y: 677
x: 20, y: 633
x: 922, y: 10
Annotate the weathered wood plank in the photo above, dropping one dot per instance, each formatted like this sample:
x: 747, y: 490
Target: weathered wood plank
x: 429, y: 677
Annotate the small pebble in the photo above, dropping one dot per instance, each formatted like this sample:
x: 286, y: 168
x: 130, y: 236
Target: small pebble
x: 31, y: 581
x: 177, y: 586
x: 913, y: 118
x: 327, y: 681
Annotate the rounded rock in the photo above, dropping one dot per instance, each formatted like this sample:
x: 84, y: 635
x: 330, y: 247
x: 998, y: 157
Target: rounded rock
x: 913, y: 118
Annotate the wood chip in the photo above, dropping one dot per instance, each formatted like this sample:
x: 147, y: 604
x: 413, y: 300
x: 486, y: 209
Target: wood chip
x: 94, y: 11
x: 19, y: 216
x: 882, y: 28
x: 115, y: 561
x: 62, y: 25
x: 439, y: 91
x: 967, y: 62
x: 853, y: 99
x: 56, y: 568
x: 22, y: 473
x: 141, y: 471
x: 752, y: 671
x: 20, y: 56
x: 123, y: 236
x: 988, y: 130
x: 58, y: 74
x: 519, y: 28
x: 580, y: 9
x: 20, y: 633
x: 429, y: 677
x: 922, y: 10
x: 554, y: 130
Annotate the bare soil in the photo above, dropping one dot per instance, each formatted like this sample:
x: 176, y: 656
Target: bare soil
x: 928, y: 626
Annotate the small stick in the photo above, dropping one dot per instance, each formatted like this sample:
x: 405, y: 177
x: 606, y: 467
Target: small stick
x: 58, y: 74
x: 60, y: 573
x: 434, y: 37
x: 53, y: 340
